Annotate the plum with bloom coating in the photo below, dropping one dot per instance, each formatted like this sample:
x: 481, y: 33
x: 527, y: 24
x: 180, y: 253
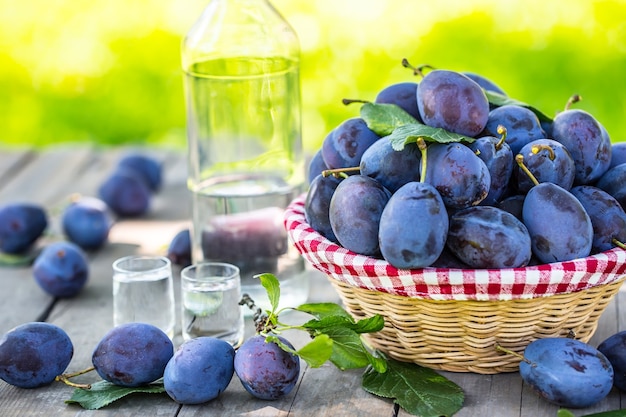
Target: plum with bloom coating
x: 265, y: 370
x: 33, y: 354
x: 132, y: 354
x: 61, y: 269
x: 199, y: 371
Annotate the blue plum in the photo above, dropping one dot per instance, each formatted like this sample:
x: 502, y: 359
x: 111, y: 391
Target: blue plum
x: 354, y: 213
x: 498, y: 157
x: 61, y: 269
x: 548, y: 161
x: 132, y: 354
x: 618, y: 154
x: 614, y: 348
x: 316, y: 166
x: 345, y: 144
x: 513, y: 204
x: 126, y: 193
x: 458, y: 174
x: 413, y: 226
x: 391, y: 168
x: 614, y: 182
x: 484, y: 82
x: 559, y: 227
x: 33, y: 354
x: 521, y: 124
x: 447, y: 259
x: 21, y: 224
x: 403, y: 95
x: 199, y: 371
x: 567, y: 372
x: 452, y: 101
x: 586, y: 140
x: 317, y: 205
x: 86, y: 222
x: 489, y: 237
x: 607, y: 216
x: 179, y: 249
x: 147, y: 167
x: 265, y: 370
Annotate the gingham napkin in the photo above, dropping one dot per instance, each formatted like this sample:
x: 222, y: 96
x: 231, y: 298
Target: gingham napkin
x: 449, y: 284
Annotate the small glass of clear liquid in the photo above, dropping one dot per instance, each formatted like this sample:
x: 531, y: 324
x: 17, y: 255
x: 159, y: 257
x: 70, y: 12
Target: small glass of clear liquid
x: 143, y: 291
x: 211, y: 292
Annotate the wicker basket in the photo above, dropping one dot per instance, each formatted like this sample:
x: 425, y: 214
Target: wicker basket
x: 452, y: 319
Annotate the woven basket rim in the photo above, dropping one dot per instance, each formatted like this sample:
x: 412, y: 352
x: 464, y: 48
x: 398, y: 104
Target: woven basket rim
x: 449, y: 284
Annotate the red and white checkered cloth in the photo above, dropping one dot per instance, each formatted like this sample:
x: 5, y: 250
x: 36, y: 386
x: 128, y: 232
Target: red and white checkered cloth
x: 449, y: 284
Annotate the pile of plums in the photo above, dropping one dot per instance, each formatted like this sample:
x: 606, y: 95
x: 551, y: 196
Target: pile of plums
x: 480, y: 180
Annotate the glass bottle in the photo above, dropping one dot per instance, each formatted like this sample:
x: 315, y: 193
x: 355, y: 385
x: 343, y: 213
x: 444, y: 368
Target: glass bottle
x: 246, y: 164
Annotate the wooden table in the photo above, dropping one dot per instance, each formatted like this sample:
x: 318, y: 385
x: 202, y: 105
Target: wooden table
x: 50, y: 176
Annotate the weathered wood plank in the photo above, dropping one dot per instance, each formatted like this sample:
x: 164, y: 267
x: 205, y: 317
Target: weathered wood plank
x: 11, y: 161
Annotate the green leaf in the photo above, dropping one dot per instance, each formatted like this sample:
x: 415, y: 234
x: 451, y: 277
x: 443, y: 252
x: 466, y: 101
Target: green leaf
x: 349, y: 351
x: 410, y: 133
x: 321, y: 310
x: 272, y: 287
x: 11, y: 260
x: 368, y: 325
x: 328, y: 322
x: 613, y: 413
x: 419, y: 391
x: 272, y: 338
x: 498, y: 100
x: 317, y: 352
x: 103, y: 393
x: 383, y: 118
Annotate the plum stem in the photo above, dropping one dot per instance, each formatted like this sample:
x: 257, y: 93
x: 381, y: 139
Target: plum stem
x: 260, y: 319
x: 573, y: 99
x: 501, y: 131
x: 348, y: 101
x: 416, y: 70
x: 65, y: 378
x: 618, y: 243
x: 510, y: 352
x: 519, y: 158
x: 421, y: 144
x: 538, y: 148
x: 339, y: 172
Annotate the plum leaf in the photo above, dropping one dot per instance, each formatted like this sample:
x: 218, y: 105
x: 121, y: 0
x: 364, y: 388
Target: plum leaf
x: 562, y: 412
x: 272, y: 287
x: 321, y: 310
x: 418, y: 390
x: 410, y: 133
x: 103, y: 393
x: 317, y: 352
x: 498, y: 100
x: 383, y: 118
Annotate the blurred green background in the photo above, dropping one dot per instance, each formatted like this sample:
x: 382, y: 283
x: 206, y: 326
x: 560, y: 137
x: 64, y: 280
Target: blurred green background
x: 108, y: 71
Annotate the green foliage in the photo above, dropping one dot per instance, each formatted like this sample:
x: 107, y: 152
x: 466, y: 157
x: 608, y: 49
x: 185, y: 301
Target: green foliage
x: 103, y: 393
x: 108, y: 72
x: 419, y: 391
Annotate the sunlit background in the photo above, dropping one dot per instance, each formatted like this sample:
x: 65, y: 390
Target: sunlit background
x: 108, y: 71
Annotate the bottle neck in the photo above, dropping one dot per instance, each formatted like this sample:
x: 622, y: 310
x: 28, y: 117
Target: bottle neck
x: 239, y: 29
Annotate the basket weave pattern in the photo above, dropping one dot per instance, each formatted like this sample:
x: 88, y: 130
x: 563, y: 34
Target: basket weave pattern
x: 453, y: 319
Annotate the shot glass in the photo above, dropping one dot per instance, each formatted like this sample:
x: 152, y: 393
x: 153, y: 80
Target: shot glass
x: 143, y: 291
x: 210, y: 293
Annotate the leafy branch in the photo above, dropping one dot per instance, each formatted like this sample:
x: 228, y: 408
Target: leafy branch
x: 334, y: 332
x: 337, y: 338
